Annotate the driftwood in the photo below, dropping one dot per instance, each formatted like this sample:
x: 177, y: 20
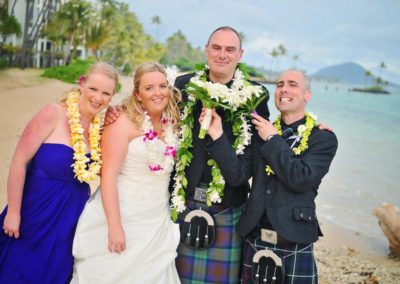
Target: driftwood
x: 389, y: 221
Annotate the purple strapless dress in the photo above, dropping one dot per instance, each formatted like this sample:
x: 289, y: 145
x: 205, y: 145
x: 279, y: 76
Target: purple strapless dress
x: 52, y: 202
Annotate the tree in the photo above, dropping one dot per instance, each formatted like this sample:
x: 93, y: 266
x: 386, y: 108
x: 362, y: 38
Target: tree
x: 128, y: 44
x: 156, y: 20
x: 181, y: 53
x: 295, y: 58
x: 367, y: 75
x: 69, y: 26
x: 381, y: 67
x: 274, y: 54
x: 9, y: 24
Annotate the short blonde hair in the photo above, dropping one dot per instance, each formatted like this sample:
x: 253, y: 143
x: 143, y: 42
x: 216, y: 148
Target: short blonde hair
x: 133, y: 107
x: 97, y: 68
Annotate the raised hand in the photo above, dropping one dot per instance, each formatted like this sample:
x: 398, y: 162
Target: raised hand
x: 263, y: 126
x: 215, y: 129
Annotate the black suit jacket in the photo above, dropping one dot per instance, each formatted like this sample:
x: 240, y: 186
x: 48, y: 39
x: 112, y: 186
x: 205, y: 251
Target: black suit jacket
x: 287, y: 198
x: 236, y: 171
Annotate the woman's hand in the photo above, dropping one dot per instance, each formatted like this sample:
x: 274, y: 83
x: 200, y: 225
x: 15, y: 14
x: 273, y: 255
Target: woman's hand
x: 215, y: 129
x: 11, y: 225
x: 116, y: 239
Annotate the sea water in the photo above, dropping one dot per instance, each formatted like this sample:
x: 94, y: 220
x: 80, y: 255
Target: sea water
x: 366, y: 169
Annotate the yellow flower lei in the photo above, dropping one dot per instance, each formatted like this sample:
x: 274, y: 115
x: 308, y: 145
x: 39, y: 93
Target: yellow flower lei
x: 304, y: 132
x: 78, y: 141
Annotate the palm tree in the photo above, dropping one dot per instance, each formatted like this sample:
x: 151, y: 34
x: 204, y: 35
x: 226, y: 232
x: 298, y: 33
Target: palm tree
x: 367, y: 75
x: 295, y: 58
x: 69, y: 25
x: 274, y: 54
x: 156, y: 20
x: 242, y: 36
x: 381, y: 67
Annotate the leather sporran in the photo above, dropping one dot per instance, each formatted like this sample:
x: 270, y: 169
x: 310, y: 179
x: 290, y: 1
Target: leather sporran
x: 198, y: 229
x: 267, y: 268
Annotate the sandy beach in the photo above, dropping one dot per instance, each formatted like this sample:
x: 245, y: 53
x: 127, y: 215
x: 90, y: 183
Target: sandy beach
x: 342, y: 256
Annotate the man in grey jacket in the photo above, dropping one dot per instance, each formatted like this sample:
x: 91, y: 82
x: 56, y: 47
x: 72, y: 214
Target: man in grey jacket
x: 291, y: 157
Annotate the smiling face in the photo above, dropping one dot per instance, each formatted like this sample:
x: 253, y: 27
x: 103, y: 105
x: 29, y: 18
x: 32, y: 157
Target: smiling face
x: 223, y: 53
x: 97, y: 91
x: 292, y: 93
x: 153, y: 92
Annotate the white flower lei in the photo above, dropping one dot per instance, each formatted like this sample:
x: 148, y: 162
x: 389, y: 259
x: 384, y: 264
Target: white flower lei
x: 238, y: 95
x: 78, y: 141
x: 164, y: 163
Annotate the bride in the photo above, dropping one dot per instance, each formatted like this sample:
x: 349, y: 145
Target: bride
x: 125, y: 234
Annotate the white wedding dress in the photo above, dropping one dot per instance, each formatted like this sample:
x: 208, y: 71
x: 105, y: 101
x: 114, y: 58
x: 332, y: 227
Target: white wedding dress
x: 151, y: 237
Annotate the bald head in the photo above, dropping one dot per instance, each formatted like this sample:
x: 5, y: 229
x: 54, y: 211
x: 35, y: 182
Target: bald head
x: 299, y: 74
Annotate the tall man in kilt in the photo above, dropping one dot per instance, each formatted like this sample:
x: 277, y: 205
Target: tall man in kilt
x: 220, y: 262
x: 292, y: 156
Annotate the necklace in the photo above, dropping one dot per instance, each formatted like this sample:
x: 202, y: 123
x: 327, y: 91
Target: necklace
x: 304, y: 132
x: 82, y: 172
x: 160, y: 162
x: 238, y: 100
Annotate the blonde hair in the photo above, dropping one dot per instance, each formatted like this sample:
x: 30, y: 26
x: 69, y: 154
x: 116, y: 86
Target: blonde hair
x: 97, y: 68
x: 133, y: 107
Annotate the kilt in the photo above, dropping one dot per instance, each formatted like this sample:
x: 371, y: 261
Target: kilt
x: 219, y: 264
x: 298, y: 260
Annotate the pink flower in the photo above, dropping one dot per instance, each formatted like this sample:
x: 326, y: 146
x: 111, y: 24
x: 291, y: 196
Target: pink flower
x: 170, y: 151
x: 164, y: 121
x: 155, y: 168
x: 150, y: 135
x: 81, y: 79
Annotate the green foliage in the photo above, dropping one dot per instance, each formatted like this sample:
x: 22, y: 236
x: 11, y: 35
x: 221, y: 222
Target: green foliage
x: 253, y: 72
x: 9, y: 24
x: 181, y: 53
x: 69, y: 73
x: 3, y: 63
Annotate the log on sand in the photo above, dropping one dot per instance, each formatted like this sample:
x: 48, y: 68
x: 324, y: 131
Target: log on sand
x: 389, y: 221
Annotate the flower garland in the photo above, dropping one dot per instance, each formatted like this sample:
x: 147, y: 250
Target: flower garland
x: 237, y: 101
x: 82, y: 172
x: 304, y: 132
x: 164, y: 163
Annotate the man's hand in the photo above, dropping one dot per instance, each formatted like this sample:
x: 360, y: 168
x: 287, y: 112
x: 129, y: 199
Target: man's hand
x: 11, y: 225
x: 263, y: 126
x: 112, y: 114
x: 215, y: 129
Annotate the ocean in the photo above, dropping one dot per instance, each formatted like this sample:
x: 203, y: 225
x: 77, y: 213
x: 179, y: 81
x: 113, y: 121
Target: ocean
x: 365, y: 171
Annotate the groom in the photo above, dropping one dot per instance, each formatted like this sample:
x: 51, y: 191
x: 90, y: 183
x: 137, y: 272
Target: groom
x: 219, y: 263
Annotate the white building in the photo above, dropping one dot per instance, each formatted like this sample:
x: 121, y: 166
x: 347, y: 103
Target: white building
x: 33, y: 15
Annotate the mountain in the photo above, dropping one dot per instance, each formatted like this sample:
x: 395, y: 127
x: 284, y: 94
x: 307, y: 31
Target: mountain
x: 349, y: 72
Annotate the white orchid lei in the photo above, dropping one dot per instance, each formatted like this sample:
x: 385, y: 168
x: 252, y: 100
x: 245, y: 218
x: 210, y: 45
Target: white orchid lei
x: 238, y: 101
x: 304, y: 132
x: 82, y: 172
x: 160, y: 162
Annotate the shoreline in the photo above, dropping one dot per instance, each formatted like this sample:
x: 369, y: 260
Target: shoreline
x: 341, y: 252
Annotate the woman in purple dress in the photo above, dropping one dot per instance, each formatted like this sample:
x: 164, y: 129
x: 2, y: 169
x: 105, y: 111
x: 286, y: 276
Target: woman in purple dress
x: 58, y: 153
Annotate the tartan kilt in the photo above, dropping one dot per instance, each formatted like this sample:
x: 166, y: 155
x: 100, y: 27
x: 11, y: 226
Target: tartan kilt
x: 298, y: 260
x: 219, y: 264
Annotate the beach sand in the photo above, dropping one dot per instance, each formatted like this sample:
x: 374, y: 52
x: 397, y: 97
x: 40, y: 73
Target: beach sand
x: 342, y: 256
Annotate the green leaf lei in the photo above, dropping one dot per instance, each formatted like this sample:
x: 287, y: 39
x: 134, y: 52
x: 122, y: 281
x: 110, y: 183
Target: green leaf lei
x: 304, y: 132
x: 238, y: 101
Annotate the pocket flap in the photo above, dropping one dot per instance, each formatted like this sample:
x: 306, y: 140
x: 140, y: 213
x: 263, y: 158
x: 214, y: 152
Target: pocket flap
x: 304, y: 214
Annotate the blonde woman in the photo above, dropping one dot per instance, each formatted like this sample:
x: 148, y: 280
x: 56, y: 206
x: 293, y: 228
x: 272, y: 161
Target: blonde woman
x: 125, y: 234
x: 57, y: 154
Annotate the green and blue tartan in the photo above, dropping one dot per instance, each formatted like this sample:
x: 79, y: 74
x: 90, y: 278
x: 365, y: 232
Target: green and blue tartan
x: 298, y: 260
x: 218, y: 264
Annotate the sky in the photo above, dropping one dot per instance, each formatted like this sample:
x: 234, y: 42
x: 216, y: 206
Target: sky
x: 320, y: 32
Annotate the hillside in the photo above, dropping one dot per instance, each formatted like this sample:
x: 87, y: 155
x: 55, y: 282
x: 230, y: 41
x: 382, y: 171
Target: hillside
x: 349, y: 72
